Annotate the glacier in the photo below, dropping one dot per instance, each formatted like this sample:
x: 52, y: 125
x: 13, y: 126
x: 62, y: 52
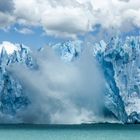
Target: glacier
x: 12, y: 96
x: 69, y: 50
x: 118, y: 59
x: 120, y: 62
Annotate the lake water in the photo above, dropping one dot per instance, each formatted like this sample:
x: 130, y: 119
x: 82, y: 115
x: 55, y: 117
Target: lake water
x: 73, y: 132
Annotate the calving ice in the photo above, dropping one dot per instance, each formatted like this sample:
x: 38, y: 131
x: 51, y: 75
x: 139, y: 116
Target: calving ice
x: 68, y: 84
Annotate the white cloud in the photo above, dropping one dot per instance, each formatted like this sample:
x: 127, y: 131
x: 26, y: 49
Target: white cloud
x: 65, y: 21
x: 5, y: 20
x: 125, y: 0
x: 70, y: 18
x: 24, y: 31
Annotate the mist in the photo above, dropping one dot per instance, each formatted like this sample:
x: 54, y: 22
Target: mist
x: 61, y: 92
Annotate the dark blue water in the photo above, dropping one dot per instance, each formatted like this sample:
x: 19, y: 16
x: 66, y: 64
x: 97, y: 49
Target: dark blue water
x: 70, y: 132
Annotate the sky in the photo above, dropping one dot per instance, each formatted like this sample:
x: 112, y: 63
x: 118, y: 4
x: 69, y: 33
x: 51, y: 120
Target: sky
x: 39, y: 22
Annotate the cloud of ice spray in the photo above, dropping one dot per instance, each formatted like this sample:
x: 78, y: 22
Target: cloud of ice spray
x: 60, y: 92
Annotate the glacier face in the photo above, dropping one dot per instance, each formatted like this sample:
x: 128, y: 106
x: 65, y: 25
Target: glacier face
x: 120, y: 62
x: 12, y: 96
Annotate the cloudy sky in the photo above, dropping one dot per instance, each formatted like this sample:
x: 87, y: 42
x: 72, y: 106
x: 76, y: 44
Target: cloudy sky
x: 38, y: 22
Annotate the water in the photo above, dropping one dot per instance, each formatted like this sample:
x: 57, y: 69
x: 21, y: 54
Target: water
x: 77, y: 132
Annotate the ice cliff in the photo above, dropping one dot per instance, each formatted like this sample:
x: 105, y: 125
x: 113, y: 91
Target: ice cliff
x: 120, y: 62
x: 12, y: 97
